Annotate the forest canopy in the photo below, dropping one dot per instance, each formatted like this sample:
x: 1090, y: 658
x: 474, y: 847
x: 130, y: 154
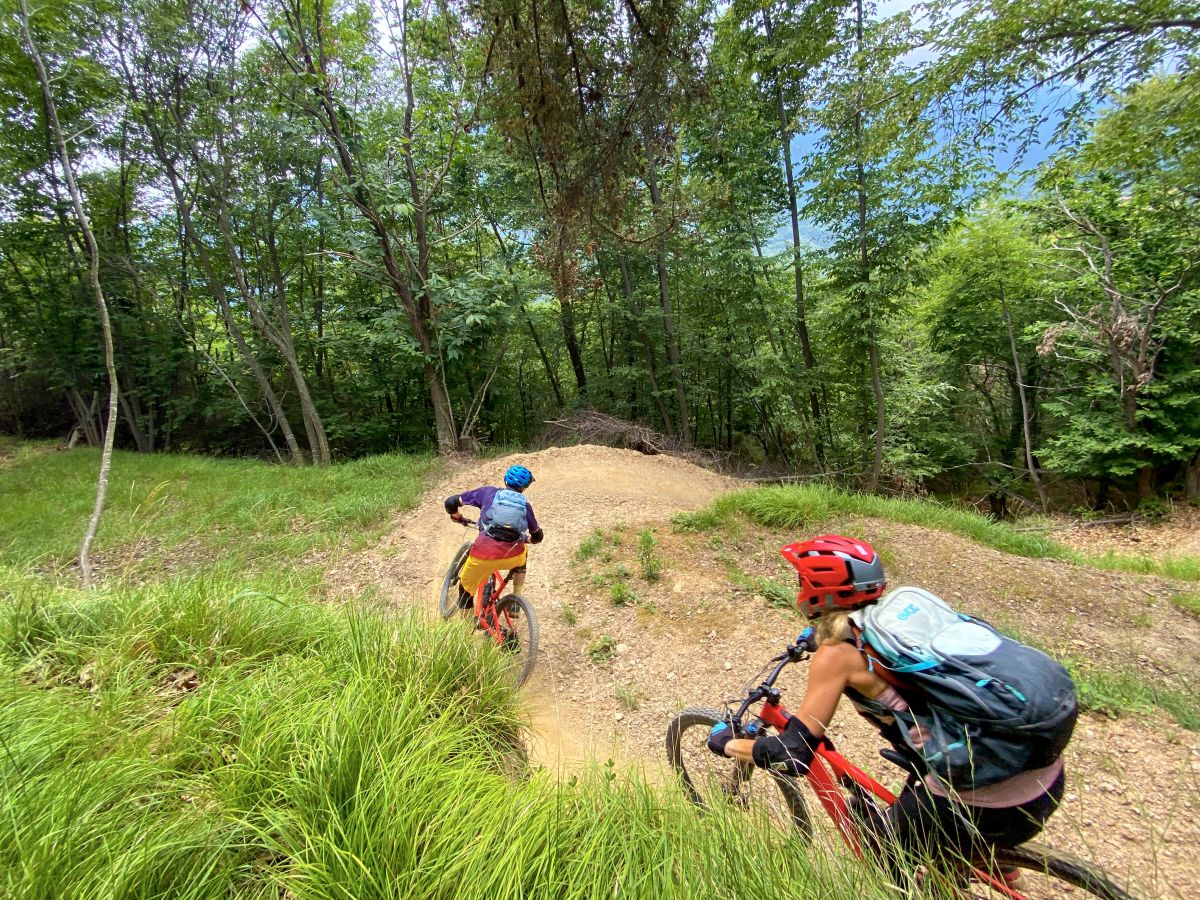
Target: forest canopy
x: 955, y: 244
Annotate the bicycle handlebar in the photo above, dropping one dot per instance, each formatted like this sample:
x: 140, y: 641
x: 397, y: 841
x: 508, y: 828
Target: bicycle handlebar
x: 797, y: 651
x: 467, y: 523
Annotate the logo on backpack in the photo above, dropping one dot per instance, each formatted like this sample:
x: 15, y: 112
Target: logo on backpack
x: 507, y: 518
x: 987, y: 707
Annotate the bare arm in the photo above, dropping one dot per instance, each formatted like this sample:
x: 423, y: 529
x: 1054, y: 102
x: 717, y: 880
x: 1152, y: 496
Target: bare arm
x: 832, y: 667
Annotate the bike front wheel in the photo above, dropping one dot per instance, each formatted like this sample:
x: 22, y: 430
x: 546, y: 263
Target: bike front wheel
x: 1046, y: 874
x: 710, y: 780
x: 448, y: 598
x: 518, y: 633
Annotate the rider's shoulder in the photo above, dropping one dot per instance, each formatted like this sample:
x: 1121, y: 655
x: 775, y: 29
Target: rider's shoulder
x: 838, y: 655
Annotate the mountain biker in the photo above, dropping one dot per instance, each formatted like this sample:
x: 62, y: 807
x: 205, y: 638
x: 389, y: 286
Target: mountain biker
x: 506, y: 523
x: 837, y: 576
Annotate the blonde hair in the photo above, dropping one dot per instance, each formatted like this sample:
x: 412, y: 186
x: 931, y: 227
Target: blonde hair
x: 834, y: 627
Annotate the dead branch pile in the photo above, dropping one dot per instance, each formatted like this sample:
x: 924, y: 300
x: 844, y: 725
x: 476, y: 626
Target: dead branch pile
x: 589, y: 427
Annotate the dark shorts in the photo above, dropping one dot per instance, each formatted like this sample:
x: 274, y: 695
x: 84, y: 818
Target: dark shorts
x: 928, y: 825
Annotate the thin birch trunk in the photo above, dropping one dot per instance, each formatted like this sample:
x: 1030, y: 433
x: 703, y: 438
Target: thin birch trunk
x: 85, y: 563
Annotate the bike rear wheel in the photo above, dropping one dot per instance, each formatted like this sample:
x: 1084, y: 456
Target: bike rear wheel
x: 1047, y: 874
x: 448, y: 598
x: 519, y: 633
x: 710, y: 780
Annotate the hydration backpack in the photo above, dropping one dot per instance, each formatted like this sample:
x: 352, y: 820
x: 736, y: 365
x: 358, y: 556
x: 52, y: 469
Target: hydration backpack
x: 507, y: 519
x: 988, y: 707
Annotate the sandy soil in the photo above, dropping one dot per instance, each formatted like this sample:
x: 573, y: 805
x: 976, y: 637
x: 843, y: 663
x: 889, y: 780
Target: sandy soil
x: 1179, y: 534
x: 694, y: 638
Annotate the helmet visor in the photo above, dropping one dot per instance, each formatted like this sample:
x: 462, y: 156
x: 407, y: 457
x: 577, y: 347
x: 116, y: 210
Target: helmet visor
x: 865, y: 576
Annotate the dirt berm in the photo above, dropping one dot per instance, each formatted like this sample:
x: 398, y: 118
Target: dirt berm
x: 694, y: 637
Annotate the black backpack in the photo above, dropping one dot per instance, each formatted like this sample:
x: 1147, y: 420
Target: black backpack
x: 988, y: 707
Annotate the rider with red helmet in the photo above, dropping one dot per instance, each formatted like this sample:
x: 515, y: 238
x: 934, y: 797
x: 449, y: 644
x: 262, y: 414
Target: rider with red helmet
x: 837, y: 576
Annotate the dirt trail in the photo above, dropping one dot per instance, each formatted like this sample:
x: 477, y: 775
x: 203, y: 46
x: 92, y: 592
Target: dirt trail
x: 578, y: 490
x: 693, y: 638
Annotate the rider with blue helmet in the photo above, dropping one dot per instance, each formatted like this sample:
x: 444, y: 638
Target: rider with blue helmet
x: 506, y: 524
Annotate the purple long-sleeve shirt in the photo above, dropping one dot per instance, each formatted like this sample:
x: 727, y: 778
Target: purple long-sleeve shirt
x: 486, y: 547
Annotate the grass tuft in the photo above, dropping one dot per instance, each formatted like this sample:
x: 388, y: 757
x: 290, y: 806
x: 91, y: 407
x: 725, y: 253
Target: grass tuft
x: 807, y: 506
x: 621, y: 594
x: 1189, y: 602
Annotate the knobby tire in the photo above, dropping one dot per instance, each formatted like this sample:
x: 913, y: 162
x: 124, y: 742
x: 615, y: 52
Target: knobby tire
x: 524, y: 620
x: 448, y: 598
x: 687, y: 754
x: 1064, y: 867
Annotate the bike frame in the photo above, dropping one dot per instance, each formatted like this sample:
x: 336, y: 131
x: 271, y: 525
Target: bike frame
x: 485, y: 602
x: 830, y: 773
x: 485, y: 609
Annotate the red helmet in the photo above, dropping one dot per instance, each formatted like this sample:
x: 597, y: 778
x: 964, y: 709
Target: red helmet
x: 836, y: 572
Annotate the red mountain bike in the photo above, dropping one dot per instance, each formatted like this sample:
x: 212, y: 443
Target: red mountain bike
x: 510, y: 621
x: 846, y: 792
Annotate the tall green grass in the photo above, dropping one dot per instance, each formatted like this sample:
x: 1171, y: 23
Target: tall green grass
x: 313, y: 752
x: 807, y: 506
x: 169, y: 513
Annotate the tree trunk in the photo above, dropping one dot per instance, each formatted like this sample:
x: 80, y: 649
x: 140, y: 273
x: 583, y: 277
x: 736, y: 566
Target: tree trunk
x: 135, y: 429
x: 864, y: 259
x: 85, y: 416
x: 664, y: 296
x: 537, y: 341
x: 550, y: 375
x: 217, y: 290
x: 1012, y: 342
x: 93, y: 253
x: 1191, y: 479
x: 281, y: 337
x: 647, y: 351
x: 567, y: 311
x: 785, y: 136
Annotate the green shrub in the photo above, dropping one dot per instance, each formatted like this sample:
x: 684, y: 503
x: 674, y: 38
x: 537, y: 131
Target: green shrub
x: 649, y: 561
x: 602, y: 650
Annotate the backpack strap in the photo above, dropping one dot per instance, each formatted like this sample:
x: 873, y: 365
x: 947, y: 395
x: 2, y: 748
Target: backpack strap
x: 876, y: 664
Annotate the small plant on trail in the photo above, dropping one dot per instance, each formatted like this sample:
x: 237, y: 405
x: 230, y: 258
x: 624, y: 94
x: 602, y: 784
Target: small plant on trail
x: 628, y: 697
x: 602, y: 650
x: 649, y: 560
x: 621, y: 595
x: 598, y: 544
x: 568, y: 615
x: 591, y: 546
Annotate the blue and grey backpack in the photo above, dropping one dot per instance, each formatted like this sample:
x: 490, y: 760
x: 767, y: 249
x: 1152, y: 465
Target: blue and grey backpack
x: 988, y: 707
x: 507, y: 518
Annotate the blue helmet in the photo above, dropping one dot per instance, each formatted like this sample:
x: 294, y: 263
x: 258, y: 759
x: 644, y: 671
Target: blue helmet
x: 518, y: 477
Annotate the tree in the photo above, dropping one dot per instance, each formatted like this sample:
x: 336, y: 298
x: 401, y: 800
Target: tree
x: 1124, y: 224
x: 879, y: 181
x: 93, y: 257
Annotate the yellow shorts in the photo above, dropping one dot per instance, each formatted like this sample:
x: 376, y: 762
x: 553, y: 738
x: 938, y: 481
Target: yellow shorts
x: 475, y: 571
